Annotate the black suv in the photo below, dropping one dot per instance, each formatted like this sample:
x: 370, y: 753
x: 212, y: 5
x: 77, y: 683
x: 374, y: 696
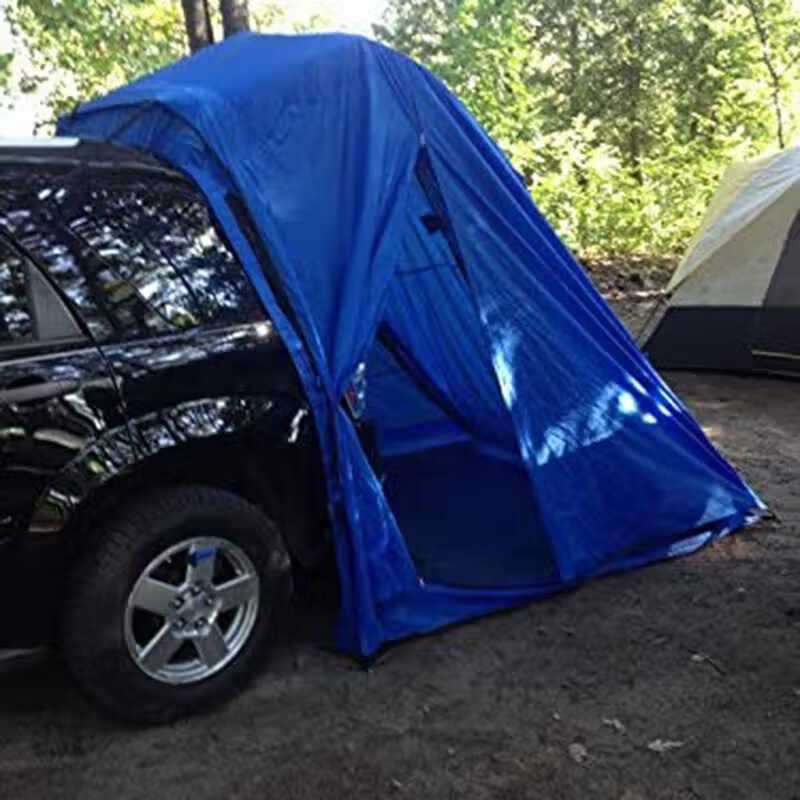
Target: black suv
x: 159, y: 472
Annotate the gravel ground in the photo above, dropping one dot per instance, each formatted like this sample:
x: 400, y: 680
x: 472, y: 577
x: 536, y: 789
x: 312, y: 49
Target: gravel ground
x: 681, y: 680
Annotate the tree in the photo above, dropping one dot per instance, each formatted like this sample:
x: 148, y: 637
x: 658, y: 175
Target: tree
x: 81, y: 48
x: 777, y: 37
x: 235, y: 16
x: 75, y: 49
x: 64, y: 52
x: 198, y: 20
x: 198, y: 24
x: 620, y: 114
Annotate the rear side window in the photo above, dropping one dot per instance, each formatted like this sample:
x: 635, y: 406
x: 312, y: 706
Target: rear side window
x: 139, y: 256
x: 16, y: 325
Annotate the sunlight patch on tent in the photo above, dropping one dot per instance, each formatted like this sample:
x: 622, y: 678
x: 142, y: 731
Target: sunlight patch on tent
x: 503, y: 360
x: 587, y: 425
x: 663, y: 409
x: 637, y: 385
x: 626, y: 403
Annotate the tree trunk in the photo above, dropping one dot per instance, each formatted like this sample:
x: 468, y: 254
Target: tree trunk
x: 198, y: 24
x: 235, y: 16
x: 766, y: 57
x: 633, y: 79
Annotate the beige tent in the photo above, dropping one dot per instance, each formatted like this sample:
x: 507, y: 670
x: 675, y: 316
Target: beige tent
x: 735, y: 301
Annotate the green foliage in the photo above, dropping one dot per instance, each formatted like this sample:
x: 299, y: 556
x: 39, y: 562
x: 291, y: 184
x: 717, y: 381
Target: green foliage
x: 621, y: 114
x: 280, y: 16
x: 72, y: 50
x: 94, y: 45
x: 5, y: 68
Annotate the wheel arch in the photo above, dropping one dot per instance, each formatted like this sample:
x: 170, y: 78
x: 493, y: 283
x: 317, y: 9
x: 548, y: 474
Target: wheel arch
x: 272, y: 461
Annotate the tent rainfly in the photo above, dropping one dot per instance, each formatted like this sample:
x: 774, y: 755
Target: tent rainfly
x: 736, y: 295
x: 525, y: 444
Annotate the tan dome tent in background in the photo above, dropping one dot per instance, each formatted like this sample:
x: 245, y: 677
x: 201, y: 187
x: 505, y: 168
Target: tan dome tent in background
x: 735, y: 302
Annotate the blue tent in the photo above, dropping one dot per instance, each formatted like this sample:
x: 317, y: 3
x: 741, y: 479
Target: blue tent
x: 526, y: 442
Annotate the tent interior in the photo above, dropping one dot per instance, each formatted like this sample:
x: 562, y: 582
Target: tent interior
x: 453, y: 474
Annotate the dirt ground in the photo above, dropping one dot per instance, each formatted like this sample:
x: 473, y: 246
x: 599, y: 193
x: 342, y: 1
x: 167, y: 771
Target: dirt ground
x: 681, y: 680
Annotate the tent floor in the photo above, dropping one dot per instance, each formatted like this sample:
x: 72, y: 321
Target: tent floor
x: 467, y: 518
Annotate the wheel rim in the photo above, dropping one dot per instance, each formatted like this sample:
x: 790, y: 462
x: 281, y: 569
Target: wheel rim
x: 192, y: 610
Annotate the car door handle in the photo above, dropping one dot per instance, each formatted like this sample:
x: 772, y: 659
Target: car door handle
x: 38, y: 391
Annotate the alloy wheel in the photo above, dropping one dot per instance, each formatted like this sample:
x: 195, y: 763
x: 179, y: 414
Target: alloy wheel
x: 192, y: 610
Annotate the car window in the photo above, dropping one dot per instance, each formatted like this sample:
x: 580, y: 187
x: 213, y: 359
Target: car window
x: 138, y: 255
x: 16, y: 324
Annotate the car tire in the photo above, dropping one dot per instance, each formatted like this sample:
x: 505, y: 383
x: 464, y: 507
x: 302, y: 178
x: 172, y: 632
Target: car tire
x: 120, y: 621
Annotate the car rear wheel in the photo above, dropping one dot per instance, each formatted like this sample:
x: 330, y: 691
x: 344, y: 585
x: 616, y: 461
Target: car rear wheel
x: 172, y: 609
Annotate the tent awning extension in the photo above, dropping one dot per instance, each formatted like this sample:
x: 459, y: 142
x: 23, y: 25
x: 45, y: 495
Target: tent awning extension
x: 526, y: 444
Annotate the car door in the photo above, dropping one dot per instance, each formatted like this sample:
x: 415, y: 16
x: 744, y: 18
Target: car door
x: 56, y: 395
x: 57, y: 405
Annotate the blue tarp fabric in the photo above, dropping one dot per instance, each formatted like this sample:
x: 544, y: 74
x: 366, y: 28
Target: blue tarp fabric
x: 525, y: 442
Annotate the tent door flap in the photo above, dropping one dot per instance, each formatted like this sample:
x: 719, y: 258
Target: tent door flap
x: 776, y: 337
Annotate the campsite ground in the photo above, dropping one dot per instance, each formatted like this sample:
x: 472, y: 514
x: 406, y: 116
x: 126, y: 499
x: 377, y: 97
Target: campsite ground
x: 677, y: 681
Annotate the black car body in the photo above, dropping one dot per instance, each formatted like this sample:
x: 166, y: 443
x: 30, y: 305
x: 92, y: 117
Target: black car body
x: 134, y: 353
